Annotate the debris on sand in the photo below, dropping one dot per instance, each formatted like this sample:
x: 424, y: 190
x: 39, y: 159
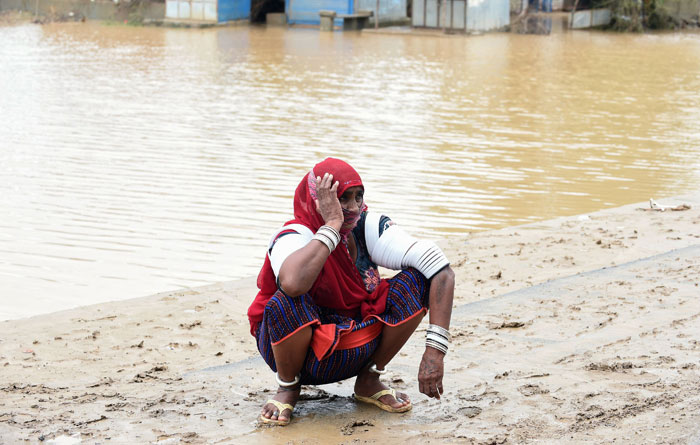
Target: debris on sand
x: 613, y: 367
x: 656, y: 207
x: 191, y: 325
x: 469, y: 411
x: 531, y: 390
x: 508, y: 325
x: 349, y: 429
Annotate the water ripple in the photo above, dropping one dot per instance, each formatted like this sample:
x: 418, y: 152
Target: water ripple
x: 137, y: 160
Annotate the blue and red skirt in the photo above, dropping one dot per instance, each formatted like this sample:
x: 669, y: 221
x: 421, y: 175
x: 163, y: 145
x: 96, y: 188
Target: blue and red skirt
x: 340, y: 346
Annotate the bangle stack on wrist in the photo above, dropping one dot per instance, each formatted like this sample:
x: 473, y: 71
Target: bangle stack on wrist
x: 328, y: 236
x: 438, y: 338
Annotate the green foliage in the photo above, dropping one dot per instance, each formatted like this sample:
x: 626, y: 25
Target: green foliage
x: 657, y: 17
x: 637, y: 15
x: 131, y: 12
x: 627, y: 15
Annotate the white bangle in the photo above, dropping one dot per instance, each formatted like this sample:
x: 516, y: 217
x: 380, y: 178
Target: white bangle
x: 325, y: 240
x: 439, y: 330
x: 328, y: 236
x: 331, y: 237
x: 437, y: 339
x: 438, y: 347
x: 332, y: 230
x: 374, y: 369
x: 284, y: 384
x: 434, y: 345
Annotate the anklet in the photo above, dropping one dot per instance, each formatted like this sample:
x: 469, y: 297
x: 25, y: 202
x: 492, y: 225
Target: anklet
x: 374, y: 369
x: 284, y: 384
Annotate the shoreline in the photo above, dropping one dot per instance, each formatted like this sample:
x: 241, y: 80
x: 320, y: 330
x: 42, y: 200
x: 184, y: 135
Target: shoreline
x: 249, y: 281
x: 182, y: 367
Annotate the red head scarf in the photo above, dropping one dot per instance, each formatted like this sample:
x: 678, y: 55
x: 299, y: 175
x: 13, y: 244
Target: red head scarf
x: 305, y: 209
x: 339, y: 285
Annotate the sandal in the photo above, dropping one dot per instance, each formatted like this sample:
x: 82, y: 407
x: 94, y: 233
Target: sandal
x: 374, y: 400
x: 281, y: 407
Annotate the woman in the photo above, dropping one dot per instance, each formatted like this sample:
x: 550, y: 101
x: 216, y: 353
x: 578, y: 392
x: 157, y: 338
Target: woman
x: 323, y: 314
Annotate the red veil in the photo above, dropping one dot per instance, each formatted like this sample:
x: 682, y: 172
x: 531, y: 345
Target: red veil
x: 339, y: 285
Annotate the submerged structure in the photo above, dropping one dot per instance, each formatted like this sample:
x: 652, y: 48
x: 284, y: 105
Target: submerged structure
x: 306, y: 12
x: 461, y: 15
x: 296, y: 12
x: 206, y: 11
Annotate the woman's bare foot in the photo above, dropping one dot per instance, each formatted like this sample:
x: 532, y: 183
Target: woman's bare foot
x: 367, y: 384
x: 284, y: 395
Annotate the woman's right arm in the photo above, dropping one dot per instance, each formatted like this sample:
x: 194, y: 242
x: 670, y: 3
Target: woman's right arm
x: 301, y: 268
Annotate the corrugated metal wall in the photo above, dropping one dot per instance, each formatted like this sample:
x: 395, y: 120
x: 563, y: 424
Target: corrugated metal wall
x: 590, y: 18
x: 306, y: 11
x: 202, y: 10
x: 484, y: 15
x: 211, y: 11
x: 233, y: 10
x: 481, y: 15
x: 389, y: 10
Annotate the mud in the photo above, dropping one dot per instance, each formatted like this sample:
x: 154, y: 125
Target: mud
x: 555, y: 340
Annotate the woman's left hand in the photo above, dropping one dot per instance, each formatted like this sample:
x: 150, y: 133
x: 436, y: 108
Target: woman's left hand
x: 430, y: 373
x: 432, y: 369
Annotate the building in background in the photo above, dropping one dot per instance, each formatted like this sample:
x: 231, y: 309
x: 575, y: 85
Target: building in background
x: 206, y: 11
x: 306, y: 12
x: 461, y: 15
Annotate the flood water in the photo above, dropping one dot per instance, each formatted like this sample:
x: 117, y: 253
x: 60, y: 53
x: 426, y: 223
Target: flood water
x: 137, y: 160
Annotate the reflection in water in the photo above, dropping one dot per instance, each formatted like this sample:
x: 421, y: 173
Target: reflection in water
x: 137, y: 160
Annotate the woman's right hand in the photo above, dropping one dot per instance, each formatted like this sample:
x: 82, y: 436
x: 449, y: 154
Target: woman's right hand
x: 301, y: 269
x: 327, y: 203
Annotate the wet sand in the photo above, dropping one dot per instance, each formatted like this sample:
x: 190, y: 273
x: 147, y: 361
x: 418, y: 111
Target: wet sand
x: 577, y: 329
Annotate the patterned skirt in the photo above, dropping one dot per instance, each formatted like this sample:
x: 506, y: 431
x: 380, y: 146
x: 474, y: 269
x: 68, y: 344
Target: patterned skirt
x: 408, y: 296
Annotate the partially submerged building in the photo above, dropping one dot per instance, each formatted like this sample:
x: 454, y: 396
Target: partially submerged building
x: 457, y: 15
x: 206, y: 11
x: 302, y: 12
x: 461, y: 15
x: 306, y: 12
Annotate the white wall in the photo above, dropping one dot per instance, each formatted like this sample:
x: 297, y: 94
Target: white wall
x: 389, y: 10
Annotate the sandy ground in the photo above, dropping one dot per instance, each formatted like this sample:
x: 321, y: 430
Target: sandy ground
x: 577, y: 329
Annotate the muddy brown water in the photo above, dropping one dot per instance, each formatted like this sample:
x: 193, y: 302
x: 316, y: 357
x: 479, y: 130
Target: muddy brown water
x: 137, y: 160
